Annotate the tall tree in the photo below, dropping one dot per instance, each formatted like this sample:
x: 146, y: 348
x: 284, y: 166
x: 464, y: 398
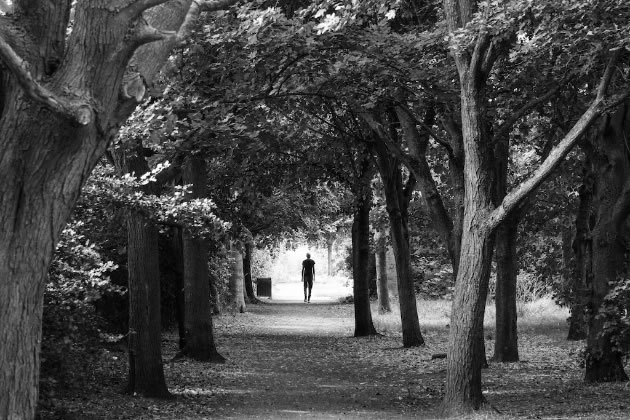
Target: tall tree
x: 362, y: 189
x: 237, y: 279
x: 610, y: 239
x: 474, y: 56
x: 200, y: 344
x: 64, y: 94
x: 398, y: 196
x: 146, y: 372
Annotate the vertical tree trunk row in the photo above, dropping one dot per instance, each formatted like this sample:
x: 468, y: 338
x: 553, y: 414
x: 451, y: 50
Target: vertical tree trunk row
x: 506, y: 341
x: 200, y: 343
x: 397, y: 205
x: 146, y: 372
x: 363, y: 325
x: 380, y: 251
x: 247, y: 274
x: 236, y: 278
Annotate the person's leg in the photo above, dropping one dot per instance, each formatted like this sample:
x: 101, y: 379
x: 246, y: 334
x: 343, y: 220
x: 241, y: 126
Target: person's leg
x: 305, y: 286
x: 310, y: 287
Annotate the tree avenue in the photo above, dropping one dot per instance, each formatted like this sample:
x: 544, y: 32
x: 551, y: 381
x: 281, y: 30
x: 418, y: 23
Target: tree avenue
x: 286, y: 115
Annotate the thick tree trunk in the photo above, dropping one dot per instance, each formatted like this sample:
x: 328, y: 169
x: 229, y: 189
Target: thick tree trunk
x: 397, y: 203
x: 247, y: 274
x: 466, y: 351
x: 363, y: 325
x: 380, y: 251
x: 74, y: 107
x: 200, y: 343
x: 146, y: 373
x: 506, y: 342
x: 581, y: 273
x: 236, y: 278
x: 610, y: 240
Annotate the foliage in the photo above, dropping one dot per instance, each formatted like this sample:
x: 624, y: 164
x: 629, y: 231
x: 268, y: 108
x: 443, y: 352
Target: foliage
x: 616, y: 312
x: 78, y: 277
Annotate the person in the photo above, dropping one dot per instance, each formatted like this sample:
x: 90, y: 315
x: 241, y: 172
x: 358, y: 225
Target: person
x: 308, y: 275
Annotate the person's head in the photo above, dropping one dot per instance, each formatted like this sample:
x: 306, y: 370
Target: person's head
x: 308, y: 255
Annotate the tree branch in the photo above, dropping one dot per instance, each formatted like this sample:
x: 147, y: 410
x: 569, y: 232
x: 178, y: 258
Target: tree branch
x: 79, y: 111
x: 505, y: 128
x: 512, y: 200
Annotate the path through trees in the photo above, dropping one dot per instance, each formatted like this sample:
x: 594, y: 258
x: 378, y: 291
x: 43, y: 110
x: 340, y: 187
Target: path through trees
x: 289, y: 360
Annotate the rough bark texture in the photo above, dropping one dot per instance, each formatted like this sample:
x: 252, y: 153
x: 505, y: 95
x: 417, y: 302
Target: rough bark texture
x: 55, y: 123
x: 363, y: 325
x: 200, y: 343
x: 236, y: 278
x: 146, y: 373
x: 397, y: 199
x: 610, y: 238
x: 380, y: 251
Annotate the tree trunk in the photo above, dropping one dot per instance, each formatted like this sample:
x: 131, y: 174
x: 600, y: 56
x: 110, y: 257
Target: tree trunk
x: 236, y: 278
x: 247, y: 274
x: 581, y: 274
x: 329, y: 246
x: 506, y: 342
x: 610, y: 237
x: 146, y: 373
x: 200, y: 343
x: 397, y: 201
x: 66, y: 108
x: 465, y: 352
x: 180, y: 303
x: 363, y: 325
x: 380, y: 241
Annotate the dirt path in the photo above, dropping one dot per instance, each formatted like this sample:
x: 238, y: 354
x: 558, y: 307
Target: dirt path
x: 296, y: 360
x: 293, y: 360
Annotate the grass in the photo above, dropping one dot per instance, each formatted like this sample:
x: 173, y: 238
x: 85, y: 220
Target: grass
x: 539, y: 314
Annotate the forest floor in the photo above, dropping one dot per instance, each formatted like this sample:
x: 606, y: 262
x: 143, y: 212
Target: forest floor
x: 290, y: 360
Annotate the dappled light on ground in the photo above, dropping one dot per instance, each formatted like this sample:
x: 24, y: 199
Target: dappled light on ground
x: 294, y: 360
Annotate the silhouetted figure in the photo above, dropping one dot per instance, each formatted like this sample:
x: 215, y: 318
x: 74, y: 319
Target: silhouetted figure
x: 308, y: 275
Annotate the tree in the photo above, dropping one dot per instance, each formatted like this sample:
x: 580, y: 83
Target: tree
x: 397, y: 197
x: 64, y: 96
x: 380, y: 251
x: 474, y: 54
x: 237, y: 279
x: 604, y: 361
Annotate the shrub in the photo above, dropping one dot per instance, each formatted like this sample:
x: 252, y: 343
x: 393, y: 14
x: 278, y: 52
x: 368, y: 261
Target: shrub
x: 70, y: 341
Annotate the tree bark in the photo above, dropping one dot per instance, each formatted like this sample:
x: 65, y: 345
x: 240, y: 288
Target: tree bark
x: 363, y: 325
x: 200, y: 343
x: 380, y: 241
x: 247, y: 274
x: 506, y: 341
x: 610, y: 235
x: 66, y: 102
x: 581, y: 274
x: 397, y: 201
x: 146, y: 372
x: 236, y: 278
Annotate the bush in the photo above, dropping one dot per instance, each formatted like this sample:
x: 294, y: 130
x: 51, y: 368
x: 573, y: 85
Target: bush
x: 70, y: 340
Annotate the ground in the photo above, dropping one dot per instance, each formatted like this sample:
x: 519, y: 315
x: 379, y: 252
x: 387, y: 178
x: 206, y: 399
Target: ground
x: 295, y: 360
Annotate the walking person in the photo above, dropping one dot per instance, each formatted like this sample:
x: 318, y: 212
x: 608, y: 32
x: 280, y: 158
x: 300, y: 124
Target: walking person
x: 308, y: 276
